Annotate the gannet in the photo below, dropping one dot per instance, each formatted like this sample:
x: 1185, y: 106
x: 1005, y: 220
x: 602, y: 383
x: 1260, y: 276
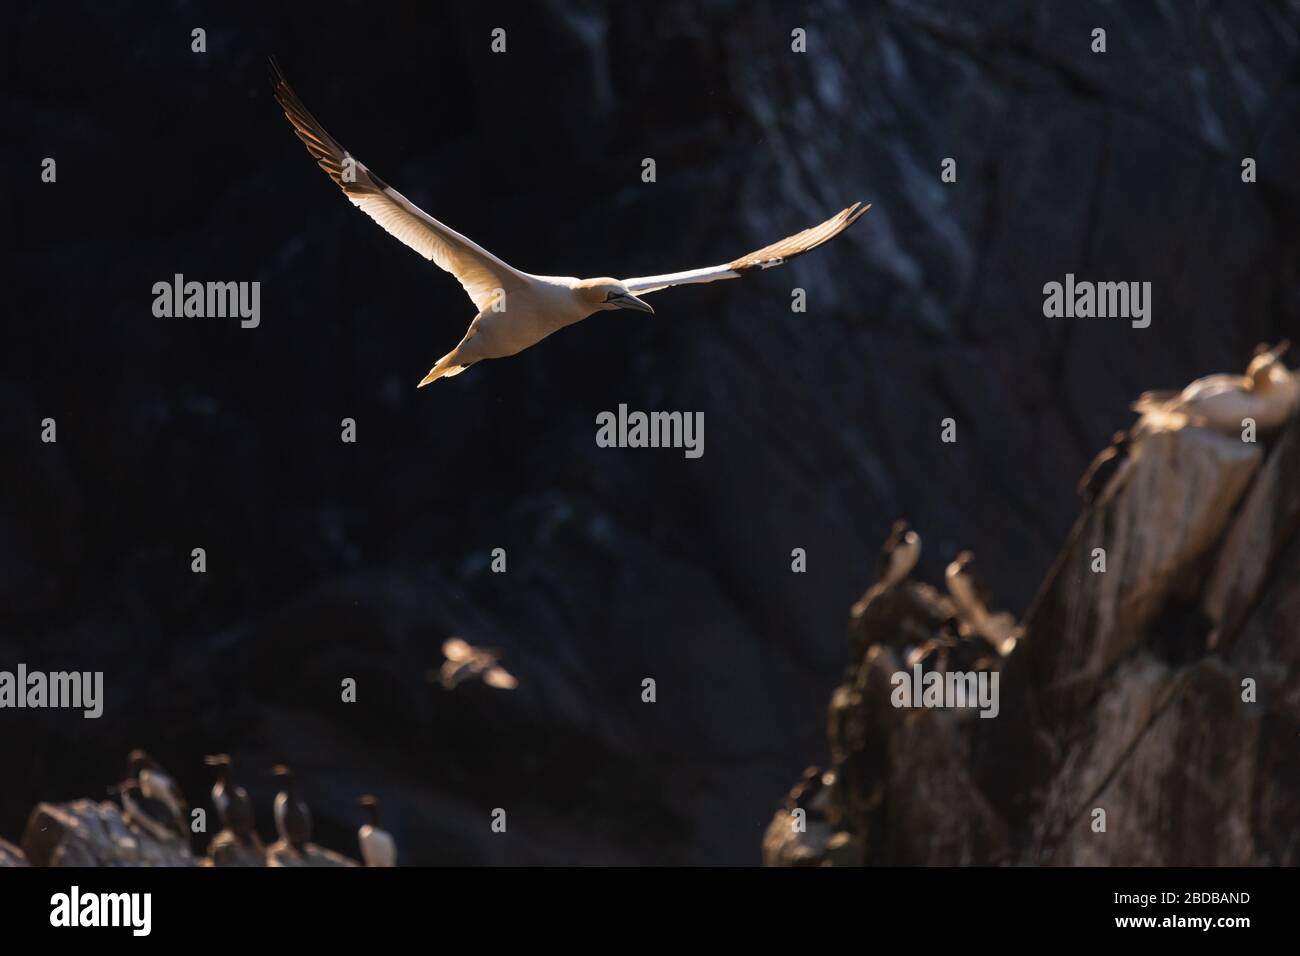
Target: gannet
x: 292, y: 817
x: 157, y: 786
x: 516, y: 309
x: 898, y: 555
x: 377, y: 845
x: 466, y: 661
x: 1000, y: 629
x: 1268, y: 393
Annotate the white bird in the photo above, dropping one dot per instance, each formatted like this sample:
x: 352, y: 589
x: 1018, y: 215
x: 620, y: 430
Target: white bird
x: 516, y: 309
x: 377, y: 845
x: 1268, y: 394
x: 465, y: 661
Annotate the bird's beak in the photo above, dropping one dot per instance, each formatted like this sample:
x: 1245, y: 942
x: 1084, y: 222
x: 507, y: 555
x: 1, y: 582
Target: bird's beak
x: 629, y: 301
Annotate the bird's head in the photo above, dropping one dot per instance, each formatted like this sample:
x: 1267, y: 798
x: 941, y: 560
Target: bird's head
x: 370, y: 803
x: 605, y: 294
x: 1266, y: 368
x: 138, y: 760
x: 964, y: 563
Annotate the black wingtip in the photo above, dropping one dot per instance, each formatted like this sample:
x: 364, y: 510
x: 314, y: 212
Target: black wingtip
x: 277, y: 74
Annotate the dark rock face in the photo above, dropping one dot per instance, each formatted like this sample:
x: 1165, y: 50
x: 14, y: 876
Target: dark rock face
x: 329, y: 561
x: 1158, y: 696
x: 84, y: 833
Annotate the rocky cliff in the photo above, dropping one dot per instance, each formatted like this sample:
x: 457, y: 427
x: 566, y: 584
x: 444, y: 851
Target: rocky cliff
x: 1149, y: 713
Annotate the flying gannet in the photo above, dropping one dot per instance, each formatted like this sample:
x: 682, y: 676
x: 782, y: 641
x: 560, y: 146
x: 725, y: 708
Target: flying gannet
x: 1268, y: 393
x: 516, y: 309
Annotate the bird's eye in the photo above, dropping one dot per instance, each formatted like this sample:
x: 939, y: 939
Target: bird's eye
x: 611, y: 296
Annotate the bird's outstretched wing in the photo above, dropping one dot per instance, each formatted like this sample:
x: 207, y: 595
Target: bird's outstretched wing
x: 773, y: 255
x: 478, y: 271
x: 455, y: 649
x: 500, y: 678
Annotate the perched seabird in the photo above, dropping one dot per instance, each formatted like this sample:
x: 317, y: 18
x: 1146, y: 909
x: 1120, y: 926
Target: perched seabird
x: 150, y: 814
x: 157, y: 786
x: 898, y: 555
x: 515, y: 309
x: 377, y: 845
x: 234, y: 808
x: 292, y: 817
x: 220, y: 796
x: 1000, y: 630
x: 811, y: 793
x: 465, y: 661
x: 1268, y: 394
x: 1103, y: 467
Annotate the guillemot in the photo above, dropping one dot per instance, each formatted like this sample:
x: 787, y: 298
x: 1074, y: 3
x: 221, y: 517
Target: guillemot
x: 234, y: 808
x: 972, y: 603
x: 464, y: 661
x: 898, y: 555
x: 377, y: 845
x: 292, y: 816
x: 157, y: 787
x: 1268, y: 394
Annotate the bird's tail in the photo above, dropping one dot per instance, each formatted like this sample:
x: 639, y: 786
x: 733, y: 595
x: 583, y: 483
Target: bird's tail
x: 446, y: 367
x: 1154, y: 401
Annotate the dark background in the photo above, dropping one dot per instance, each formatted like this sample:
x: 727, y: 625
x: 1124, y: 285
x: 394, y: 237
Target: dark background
x: 328, y: 560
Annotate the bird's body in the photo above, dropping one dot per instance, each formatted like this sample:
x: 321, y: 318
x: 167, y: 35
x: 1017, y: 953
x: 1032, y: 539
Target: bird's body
x: 221, y: 796
x: 150, y: 814
x: 515, y: 309
x: 292, y: 816
x: 378, y: 848
x: 898, y: 555
x: 156, y: 788
x: 465, y: 661
x: 234, y: 808
x: 1267, y: 394
x: 972, y: 603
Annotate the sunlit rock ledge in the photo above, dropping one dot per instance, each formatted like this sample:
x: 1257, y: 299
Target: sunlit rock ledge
x: 88, y: 834
x: 1149, y: 714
